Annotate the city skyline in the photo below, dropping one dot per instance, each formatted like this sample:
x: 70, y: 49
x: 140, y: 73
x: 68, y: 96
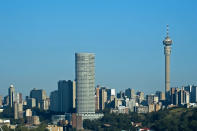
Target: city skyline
x: 36, y: 52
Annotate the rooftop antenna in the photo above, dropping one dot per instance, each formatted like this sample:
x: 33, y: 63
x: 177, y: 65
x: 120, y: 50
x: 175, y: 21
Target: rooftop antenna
x: 167, y: 30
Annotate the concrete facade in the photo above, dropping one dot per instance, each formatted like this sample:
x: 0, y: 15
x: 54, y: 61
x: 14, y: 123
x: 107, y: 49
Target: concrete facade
x: 167, y: 51
x: 183, y: 97
x: 18, y: 110
x: 18, y: 98
x: 102, y: 98
x: 74, y: 94
x: 85, y: 82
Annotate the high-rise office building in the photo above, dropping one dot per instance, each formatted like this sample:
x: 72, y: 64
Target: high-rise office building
x: 193, y: 94
x: 102, y: 98
x: 130, y: 93
x: 150, y: 99
x: 140, y: 96
x: 97, y: 98
x: 6, y: 100
x: 192, y: 90
x: 183, y: 97
x: 54, y: 103
x: 74, y: 94
x: 179, y: 96
x: 131, y: 104
x: 63, y: 99
x: 65, y: 96
x: 44, y: 104
x: 39, y: 95
x: 18, y: 110
x: 15, y: 110
x: 167, y: 51
x: 11, y: 94
x: 121, y: 94
x: 174, y: 95
x: 111, y: 93
x: 31, y: 102
x: 85, y: 82
x: 188, y: 88
x: 1, y: 101
x: 18, y: 98
x: 161, y: 95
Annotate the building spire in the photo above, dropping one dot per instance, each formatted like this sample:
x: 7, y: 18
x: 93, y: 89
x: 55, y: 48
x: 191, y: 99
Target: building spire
x: 167, y: 41
x: 167, y: 30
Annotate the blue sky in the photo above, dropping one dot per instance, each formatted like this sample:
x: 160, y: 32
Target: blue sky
x: 38, y: 39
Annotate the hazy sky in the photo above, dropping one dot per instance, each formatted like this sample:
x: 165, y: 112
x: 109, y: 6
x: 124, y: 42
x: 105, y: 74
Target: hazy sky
x: 38, y: 40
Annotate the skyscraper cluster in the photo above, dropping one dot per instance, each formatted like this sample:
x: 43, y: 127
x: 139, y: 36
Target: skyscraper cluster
x: 184, y: 95
x: 79, y: 99
x: 40, y: 98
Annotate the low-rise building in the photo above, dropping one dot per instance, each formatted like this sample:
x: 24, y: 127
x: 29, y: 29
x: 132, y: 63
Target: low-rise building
x: 57, y: 118
x: 5, y: 122
x: 151, y: 108
x: 77, y: 121
x: 28, y: 112
x: 54, y: 128
x: 123, y: 109
x: 141, y: 109
x: 158, y: 107
x: 33, y: 120
x: 1, y: 110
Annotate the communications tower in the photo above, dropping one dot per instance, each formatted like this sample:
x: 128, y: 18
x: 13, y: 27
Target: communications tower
x: 167, y: 42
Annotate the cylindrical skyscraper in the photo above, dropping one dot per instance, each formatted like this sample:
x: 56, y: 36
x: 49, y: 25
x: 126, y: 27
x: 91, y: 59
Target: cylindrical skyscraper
x: 167, y: 51
x: 85, y: 78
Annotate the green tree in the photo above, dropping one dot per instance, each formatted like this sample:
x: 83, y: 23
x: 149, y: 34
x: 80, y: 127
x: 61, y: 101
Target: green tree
x: 5, y: 128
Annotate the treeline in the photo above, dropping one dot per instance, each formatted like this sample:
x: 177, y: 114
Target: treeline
x: 176, y: 119
x: 41, y: 127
